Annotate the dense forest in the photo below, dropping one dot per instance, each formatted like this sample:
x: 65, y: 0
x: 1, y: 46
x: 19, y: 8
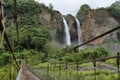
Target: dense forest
x: 35, y: 42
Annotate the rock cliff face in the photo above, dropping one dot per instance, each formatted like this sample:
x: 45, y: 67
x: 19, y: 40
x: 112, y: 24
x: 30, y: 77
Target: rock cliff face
x: 53, y: 21
x: 93, y: 24
x: 72, y: 28
x: 45, y: 17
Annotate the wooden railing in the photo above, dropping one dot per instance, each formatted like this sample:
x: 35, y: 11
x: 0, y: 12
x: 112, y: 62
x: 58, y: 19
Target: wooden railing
x: 68, y: 71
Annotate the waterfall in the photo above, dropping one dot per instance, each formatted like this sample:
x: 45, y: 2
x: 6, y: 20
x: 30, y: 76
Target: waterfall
x: 80, y: 41
x: 19, y: 74
x: 67, y: 33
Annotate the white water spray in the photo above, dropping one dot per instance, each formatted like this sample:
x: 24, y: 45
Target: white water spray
x: 68, y: 41
x: 80, y: 41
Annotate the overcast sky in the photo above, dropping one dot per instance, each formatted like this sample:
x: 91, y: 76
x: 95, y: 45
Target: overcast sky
x: 72, y: 6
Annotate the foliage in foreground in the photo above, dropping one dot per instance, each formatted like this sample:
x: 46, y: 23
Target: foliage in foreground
x: 87, y: 54
x: 57, y: 73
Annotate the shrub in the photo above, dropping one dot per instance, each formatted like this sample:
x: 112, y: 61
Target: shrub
x: 86, y: 55
x: 115, y: 10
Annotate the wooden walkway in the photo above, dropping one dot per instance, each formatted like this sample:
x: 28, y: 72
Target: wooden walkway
x: 26, y: 73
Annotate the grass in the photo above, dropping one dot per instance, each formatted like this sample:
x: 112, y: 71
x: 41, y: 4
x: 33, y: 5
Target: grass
x: 111, y: 62
x: 61, y: 73
x: 57, y: 73
x: 67, y: 74
x: 5, y: 73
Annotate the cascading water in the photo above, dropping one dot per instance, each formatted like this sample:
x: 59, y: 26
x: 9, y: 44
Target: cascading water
x: 80, y: 41
x: 68, y: 41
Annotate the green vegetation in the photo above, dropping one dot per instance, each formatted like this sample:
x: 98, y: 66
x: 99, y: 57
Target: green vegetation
x: 111, y: 62
x: 35, y: 41
x: 34, y: 38
x: 84, y: 9
x: 4, y: 73
x: 115, y: 10
x: 56, y: 74
x: 87, y: 54
x: 32, y: 34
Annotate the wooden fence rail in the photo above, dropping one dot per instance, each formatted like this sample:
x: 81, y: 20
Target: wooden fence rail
x: 61, y: 67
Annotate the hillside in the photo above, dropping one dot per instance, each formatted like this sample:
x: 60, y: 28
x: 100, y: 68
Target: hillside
x: 42, y: 34
x: 33, y: 14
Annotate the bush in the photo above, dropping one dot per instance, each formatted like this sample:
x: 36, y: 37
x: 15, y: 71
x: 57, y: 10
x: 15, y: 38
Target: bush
x: 86, y: 55
x: 4, y: 58
x: 84, y: 9
x: 114, y: 10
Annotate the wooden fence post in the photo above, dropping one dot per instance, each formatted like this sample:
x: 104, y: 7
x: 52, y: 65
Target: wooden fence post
x: 60, y: 71
x: 94, y: 64
x: 77, y: 70
x: 10, y: 75
x: 66, y: 67
x: 48, y: 72
x: 118, y: 61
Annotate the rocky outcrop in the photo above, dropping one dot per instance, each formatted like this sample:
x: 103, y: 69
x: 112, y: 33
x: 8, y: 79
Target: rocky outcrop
x: 57, y: 27
x: 53, y: 21
x: 45, y: 17
x: 95, y: 23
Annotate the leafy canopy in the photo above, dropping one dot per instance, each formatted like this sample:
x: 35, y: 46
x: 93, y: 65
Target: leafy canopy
x: 115, y: 10
x: 84, y: 9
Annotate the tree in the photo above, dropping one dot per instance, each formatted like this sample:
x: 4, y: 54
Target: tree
x: 84, y: 9
x: 114, y: 10
x: 50, y: 6
x: 87, y: 54
x: 34, y: 38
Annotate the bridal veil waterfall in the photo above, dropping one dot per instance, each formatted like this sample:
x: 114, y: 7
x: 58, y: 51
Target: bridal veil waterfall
x: 67, y: 33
